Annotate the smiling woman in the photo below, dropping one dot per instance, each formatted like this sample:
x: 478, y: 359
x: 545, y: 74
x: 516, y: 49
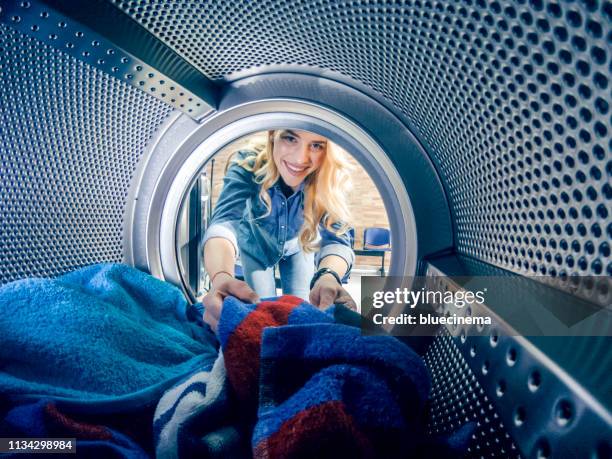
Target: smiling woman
x: 281, y: 204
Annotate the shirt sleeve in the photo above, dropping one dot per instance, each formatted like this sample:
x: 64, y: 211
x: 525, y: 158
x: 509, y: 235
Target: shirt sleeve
x: 340, y: 245
x: 238, y: 185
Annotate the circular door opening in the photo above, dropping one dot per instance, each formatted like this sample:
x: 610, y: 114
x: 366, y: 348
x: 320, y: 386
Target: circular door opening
x: 181, y: 150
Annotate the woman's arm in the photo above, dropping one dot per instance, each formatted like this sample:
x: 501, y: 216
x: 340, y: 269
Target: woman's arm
x: 221, y: 246
x: 326, y: 290
x: 238, y: 186
x: 219, y: 259
x: 335, y: 263
x: 219, y: 256
x: 336, y: 246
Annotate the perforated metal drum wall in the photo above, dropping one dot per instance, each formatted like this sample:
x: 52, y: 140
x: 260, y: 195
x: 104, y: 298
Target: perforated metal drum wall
x: 70, y: 138
x: 511, y: 99
x: 457, y: 398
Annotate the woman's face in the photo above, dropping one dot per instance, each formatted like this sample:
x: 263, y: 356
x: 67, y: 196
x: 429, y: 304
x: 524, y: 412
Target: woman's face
x: 297, y: 154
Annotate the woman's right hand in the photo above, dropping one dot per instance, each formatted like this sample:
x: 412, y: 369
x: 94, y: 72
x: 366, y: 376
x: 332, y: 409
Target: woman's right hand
x: 225, y: 285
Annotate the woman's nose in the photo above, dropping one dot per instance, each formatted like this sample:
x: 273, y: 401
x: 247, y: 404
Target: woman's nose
x: 303, y: 154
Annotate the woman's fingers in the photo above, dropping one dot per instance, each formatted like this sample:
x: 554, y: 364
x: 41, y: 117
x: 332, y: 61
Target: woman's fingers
x: 213, y: 300
x: 213, y: 303
x: 211, y: 320
x: 313, y: 298
x: 327, y: 297
x: 347, y: 300
x: 242, y: 291
x: 323, y: 294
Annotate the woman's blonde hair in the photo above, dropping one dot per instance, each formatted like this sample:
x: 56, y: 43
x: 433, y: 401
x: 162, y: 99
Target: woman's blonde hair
x: 325, y: 191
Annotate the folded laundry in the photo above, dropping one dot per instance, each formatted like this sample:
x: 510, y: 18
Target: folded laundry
x: 300, y: 384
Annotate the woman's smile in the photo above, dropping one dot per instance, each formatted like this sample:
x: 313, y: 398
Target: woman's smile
x: 295, y: 169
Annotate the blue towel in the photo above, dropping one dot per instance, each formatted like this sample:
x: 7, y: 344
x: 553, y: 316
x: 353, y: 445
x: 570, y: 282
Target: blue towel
x: 105, y: 338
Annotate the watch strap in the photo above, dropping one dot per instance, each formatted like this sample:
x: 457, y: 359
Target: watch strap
x: 321, y: 272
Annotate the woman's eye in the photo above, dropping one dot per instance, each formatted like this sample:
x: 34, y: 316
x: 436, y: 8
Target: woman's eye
x: 289, y: 138
x: 318, y: 146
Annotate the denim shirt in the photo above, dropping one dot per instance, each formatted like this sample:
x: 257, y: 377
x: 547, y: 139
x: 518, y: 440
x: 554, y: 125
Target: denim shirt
x: 239, y: 218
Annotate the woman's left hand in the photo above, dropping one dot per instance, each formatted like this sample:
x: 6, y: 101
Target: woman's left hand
x: 327, y: 291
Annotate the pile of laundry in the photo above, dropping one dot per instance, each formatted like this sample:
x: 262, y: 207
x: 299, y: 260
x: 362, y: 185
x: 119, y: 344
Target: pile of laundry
x: 301, y: 383
x: 120, y: 361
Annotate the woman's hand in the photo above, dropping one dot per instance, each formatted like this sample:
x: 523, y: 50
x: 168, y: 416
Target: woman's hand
x: 327, y: 291
x: 225, y: 285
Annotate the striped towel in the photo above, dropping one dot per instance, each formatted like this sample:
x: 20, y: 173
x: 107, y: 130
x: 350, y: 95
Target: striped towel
x: 296, y: 383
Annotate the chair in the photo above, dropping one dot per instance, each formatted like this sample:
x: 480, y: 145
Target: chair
x: 376, y: 239
x: 379, y: 240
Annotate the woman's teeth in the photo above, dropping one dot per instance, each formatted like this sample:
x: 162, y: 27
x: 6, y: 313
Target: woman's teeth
x: 295, y: 170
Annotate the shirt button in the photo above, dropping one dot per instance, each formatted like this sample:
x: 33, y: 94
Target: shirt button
x: 283, y: 203
x: 283, y: 226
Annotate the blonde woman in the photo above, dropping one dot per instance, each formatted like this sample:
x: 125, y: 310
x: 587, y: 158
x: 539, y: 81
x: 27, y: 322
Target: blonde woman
x: 279, y: 206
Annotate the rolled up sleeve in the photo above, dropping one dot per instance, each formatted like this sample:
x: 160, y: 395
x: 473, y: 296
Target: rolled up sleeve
x: 238, y: 185
x: 225, y: 230
x: 339, y: 245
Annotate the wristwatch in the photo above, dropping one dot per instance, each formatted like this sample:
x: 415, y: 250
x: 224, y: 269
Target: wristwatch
x: 322, y: 271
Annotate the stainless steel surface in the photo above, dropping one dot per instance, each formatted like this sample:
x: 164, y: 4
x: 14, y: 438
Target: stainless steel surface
x: 540, y: 405
x: 111, y: 44
x: 457, y: 397
x: 70, y: 140
x: 511, y: 101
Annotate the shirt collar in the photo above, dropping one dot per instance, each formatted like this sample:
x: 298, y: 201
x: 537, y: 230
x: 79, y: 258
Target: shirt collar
x: 300, y: 189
